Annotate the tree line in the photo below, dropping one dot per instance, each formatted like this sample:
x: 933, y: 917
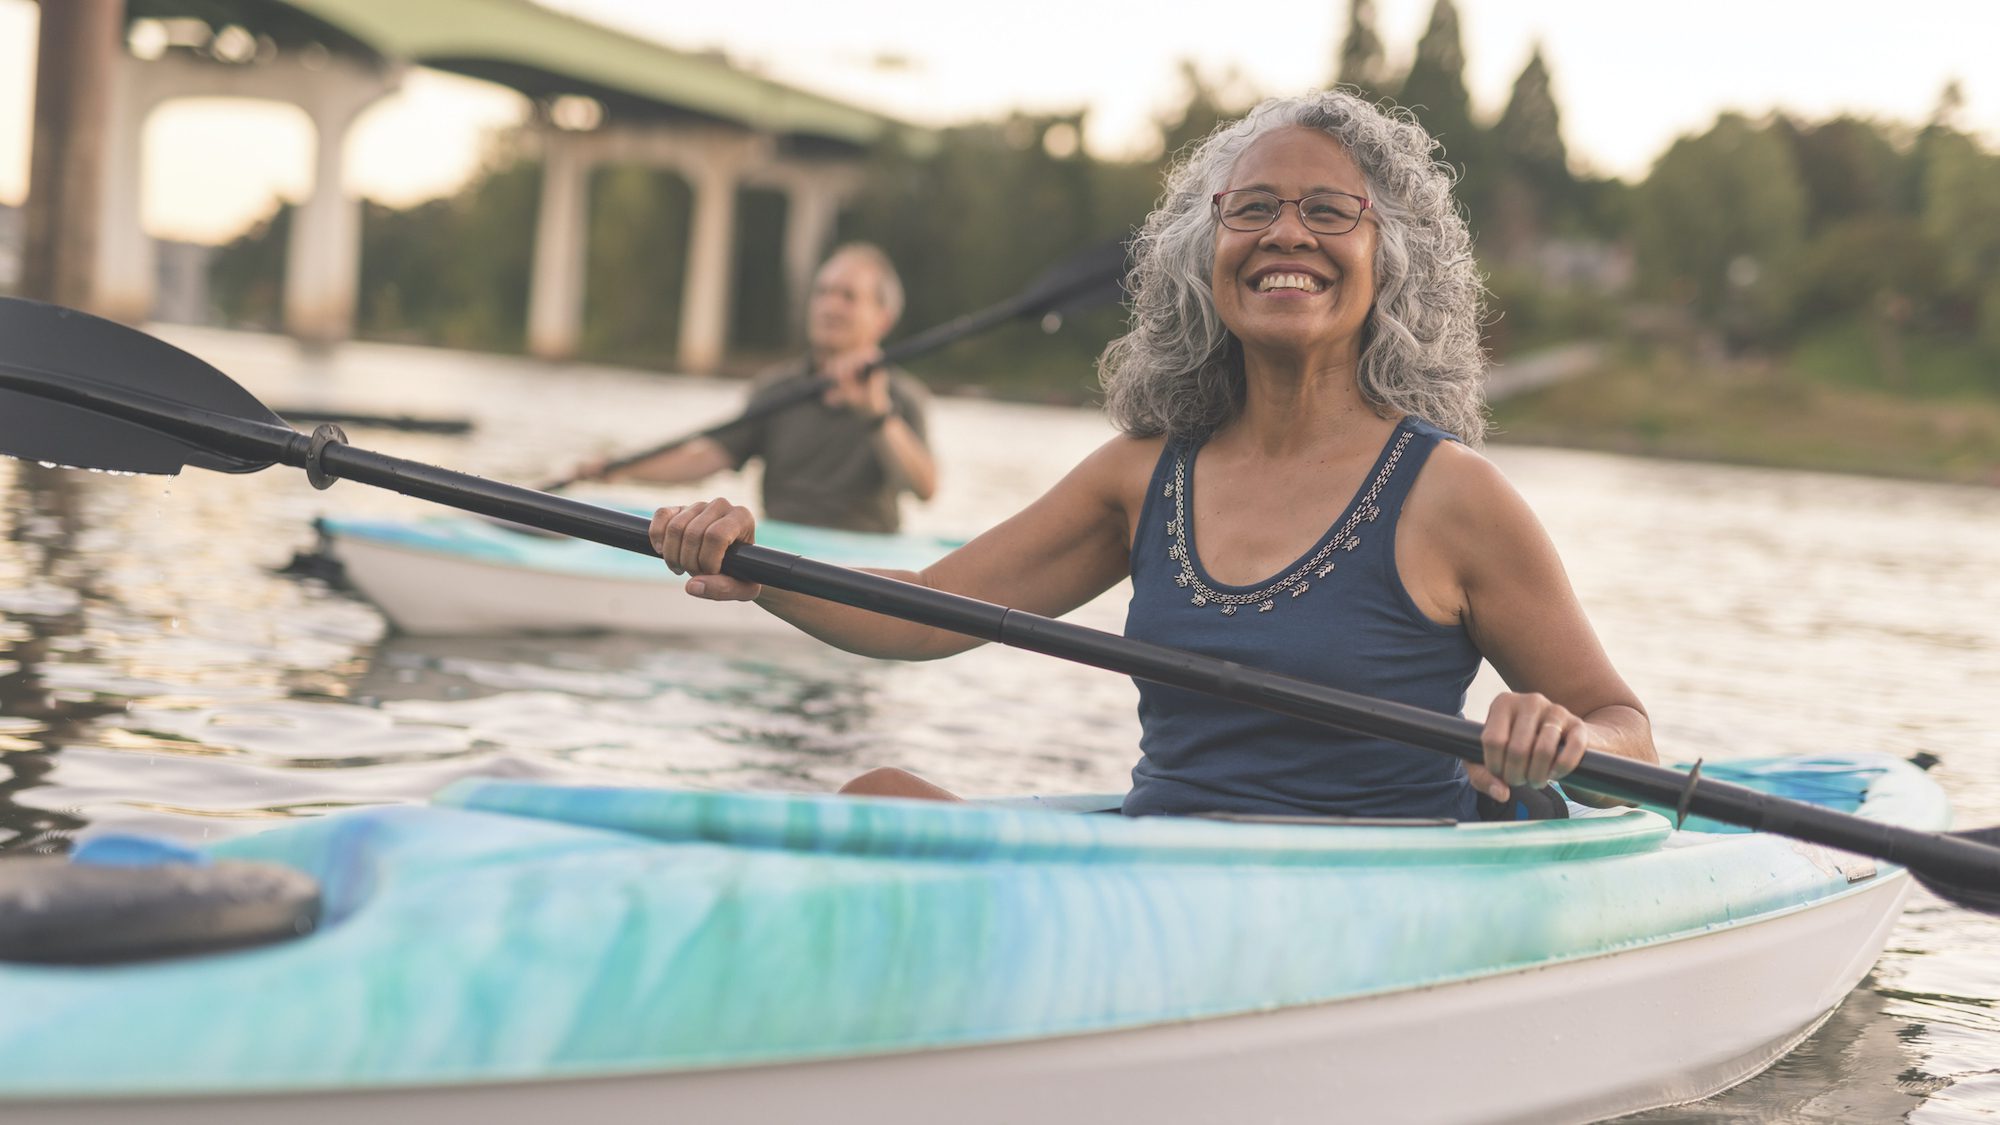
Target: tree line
x: 1875, y: 243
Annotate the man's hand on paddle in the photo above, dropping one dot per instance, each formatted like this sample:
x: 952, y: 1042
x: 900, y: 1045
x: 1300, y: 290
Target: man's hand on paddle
x: 857, y: 382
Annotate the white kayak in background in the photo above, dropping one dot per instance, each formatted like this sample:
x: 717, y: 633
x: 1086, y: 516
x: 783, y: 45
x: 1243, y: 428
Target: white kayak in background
x: 454, y: 575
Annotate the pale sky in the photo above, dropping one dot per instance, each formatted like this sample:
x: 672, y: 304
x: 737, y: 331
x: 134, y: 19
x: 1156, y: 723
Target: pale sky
x: 1629, y: 77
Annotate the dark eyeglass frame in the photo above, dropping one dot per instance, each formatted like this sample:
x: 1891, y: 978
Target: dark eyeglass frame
x: 1299, y: 204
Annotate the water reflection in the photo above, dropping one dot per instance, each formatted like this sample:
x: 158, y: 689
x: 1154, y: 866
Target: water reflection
x: 747, y: 713
x: 157, y: 675
x: 43, y: 584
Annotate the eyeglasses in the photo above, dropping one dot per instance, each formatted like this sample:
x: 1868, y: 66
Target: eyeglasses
x: 1253, y: 209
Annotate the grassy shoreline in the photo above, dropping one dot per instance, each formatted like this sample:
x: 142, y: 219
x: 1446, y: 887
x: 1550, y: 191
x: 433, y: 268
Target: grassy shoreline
x: 1766, y: 413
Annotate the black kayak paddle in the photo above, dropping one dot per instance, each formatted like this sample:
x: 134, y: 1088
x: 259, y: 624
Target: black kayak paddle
x: 88, y: 393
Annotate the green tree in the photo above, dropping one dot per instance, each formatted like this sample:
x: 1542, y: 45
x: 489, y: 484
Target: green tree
x: 1435, y: 91
x: 1360, y: 62
x: 1961, y: 212
x: 1532, y: 186
x: 1720, y: 223
x: 996, y: 205
x: 1207, y: 104
x: 246, y: 278
x: 1950, y: 103
x: 453, y: 271
x: 1850, y: 168
x: 761, y: 317
x: 1529, y: 133
x: 639, y: 222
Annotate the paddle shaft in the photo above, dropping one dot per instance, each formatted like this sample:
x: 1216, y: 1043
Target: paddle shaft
x: 807, y: 386
x: 252, y: 442
x: 298, y: 415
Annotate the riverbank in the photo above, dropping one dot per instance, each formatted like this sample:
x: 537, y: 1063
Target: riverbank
x: 1663, y: 404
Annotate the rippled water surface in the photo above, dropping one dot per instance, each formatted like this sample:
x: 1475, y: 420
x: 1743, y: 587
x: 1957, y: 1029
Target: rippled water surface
x: 156, y: 675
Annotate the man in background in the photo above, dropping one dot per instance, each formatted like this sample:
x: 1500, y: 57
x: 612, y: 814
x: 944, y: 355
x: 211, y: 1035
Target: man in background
x: 841, y: 459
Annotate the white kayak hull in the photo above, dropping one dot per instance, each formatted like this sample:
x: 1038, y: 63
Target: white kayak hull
x: 456, y: 575
x: 430, y: 594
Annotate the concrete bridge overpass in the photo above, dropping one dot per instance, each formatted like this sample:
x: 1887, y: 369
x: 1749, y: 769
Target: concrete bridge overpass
x: 600, y: 97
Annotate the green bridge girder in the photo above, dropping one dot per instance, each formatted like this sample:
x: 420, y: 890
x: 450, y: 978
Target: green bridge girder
x: 544, y: 53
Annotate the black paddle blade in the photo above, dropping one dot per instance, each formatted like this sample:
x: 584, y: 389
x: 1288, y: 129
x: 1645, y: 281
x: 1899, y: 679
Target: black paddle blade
x: 38, y: 340
x: 1981, y: 894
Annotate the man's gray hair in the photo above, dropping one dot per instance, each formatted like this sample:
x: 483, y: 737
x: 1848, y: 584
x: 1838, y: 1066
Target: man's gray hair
x: 1178, y: 371
x: 889, y: 284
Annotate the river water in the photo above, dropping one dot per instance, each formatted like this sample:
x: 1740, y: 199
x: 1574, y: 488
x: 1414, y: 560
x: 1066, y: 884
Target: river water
x: 156, y: 675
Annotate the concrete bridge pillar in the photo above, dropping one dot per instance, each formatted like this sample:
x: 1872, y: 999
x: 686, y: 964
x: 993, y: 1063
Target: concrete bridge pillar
x: 323, y: 260
x: 76, y: 59
x: 127, y: 269
x: 562, y: 236
x: 704, y: 334
x: 322, y: 267
x: 323, y: 254
x: 812, y: 206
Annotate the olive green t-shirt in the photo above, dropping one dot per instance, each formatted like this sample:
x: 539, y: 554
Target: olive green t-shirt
x: 827, y: 466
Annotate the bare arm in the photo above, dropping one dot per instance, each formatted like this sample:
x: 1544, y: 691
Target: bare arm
x: 907, y: 456
x: 1477, y: 553
x: 692, y: 460
x: 1067, y: 547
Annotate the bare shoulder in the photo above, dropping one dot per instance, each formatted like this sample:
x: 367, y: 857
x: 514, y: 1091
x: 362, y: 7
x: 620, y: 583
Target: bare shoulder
x: 1104, y: 491
x: 1460, y: 486
x: 1117, y: 471
x: 1127, y: 455
x: 1069, y: 545
x: 1465, y: 508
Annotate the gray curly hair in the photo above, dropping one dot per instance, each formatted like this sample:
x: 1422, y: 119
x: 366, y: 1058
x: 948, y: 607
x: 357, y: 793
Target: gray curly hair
x: 1179, y: 371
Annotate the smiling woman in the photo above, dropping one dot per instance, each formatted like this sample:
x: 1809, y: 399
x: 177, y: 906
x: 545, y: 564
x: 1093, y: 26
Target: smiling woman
x: 1292, y: 492
x: 1421, y: 345
x: 1302, y: 287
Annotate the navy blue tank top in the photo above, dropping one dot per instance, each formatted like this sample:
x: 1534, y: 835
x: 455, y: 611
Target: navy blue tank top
x: 1339, y: 615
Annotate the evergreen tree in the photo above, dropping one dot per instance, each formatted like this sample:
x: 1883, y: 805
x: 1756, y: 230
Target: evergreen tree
x: 1435, y: 86
x: 1208, y: 104
x: 1533, y: 190
x: 1951, y: 101
x: 1361, y: 63
x: 1529, y: 133
x: 1435, y: 91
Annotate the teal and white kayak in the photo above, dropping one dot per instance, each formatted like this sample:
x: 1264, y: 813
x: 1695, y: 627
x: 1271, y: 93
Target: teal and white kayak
x: 525, y: 952
x: 452, y: 574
